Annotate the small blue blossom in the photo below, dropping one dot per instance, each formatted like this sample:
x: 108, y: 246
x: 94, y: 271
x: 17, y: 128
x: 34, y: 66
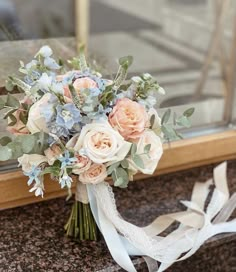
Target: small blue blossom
x: 51, y: 63
x: 33, y: 175
x: 58, y: 131
x: 65, y: 181
x: 45, y: 51
x: 67, y: 115
x: 66, y: 160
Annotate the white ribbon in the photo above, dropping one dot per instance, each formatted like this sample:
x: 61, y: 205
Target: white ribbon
x: 196, y: 226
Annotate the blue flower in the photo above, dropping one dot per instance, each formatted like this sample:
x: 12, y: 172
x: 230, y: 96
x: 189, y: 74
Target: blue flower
x: 33, y: 174
x: 65, y: 180
x: 66, y: 160
x: 67, y: 115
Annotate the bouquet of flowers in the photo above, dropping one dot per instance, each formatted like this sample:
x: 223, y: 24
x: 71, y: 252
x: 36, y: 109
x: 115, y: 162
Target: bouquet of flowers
x: 82, y: 128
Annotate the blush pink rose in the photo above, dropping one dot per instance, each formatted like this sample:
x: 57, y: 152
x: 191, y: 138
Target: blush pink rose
x: 19, y: 128
x: 79, y: 83
x: 83, y: 164
x: 129, y: 118
x: 94, y: 175
x: 53, y: 153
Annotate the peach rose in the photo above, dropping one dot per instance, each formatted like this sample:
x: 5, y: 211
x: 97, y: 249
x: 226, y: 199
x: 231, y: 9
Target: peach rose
x: 19, y: 127
x: 53, y: 153
x: 83, y: 164
x: 129, y: 118
x: 151, y: 159
x: 94, y: 175
x: 101, y: 143
x: 79, y: 83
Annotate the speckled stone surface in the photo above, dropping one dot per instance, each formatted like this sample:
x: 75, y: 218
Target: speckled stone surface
x: 32, y: 237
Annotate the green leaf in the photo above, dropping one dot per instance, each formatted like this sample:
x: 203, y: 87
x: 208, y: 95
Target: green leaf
x: 152, y: 120
x: 118, y: 182
x: 138, y: 161
x: 169, y: 132
x: 23, y: 118
x: 183, y: 121
x: 15, y: 149
x: 112, y: 167
x: 126, y: 61
x: 5, y: 140
x: 10, y: 112
x: 2, y: 103
x: 125, y: 164
x: 5, y: 153
x: 147, y: 148
x: 27, y: 143
x: 55, y: 171
x: 121, y: 173
x: 189, y: 112
x: 133, y: 149
x: 13, y: 120
x: 21, y: 84
x: 12, y: 101
x: 165, y: 118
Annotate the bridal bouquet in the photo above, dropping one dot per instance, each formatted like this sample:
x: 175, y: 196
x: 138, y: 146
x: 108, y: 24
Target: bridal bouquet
x: 85, y: 129
x: 80, y: 127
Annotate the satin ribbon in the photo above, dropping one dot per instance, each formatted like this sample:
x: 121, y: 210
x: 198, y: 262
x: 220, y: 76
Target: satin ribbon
x: 196, y: 225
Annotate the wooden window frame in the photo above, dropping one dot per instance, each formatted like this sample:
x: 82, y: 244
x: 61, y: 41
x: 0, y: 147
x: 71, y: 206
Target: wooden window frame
x: 179, y: 155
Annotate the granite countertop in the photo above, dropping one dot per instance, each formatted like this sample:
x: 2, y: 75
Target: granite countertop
x: 32, y: 237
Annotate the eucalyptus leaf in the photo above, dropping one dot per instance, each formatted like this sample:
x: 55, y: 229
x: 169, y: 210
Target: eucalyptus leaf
x: 125, y: 164
x: 138, y: 161
x: 13, y: 120
x: 121, y: 173
x: 15, y: 149
x: 169, y: 132
x: 12, y: 101
x: 27, y: 143
x: 183, y: 121
x: 118, y: 182
x: 5, y: 153
x: 10, y: 112
x: 112, y: 167
x: 189, y: 112
x: 165, y: 118
x: 2, y: 103
x: 5, y: 140
x: 133, y: 149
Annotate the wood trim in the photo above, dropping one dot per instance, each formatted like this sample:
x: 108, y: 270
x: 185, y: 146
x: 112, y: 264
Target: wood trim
x: 179, y: 155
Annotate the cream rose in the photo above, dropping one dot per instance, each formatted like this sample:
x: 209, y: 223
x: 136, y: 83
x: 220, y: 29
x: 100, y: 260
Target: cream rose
x: 83, y: 164
x: 94, y: 175
x: 101, y: 143
x: 52, y: 153
x: 36, y: 120
x: 129, y: 118
x: 151, y: 160
x: 28, y: 160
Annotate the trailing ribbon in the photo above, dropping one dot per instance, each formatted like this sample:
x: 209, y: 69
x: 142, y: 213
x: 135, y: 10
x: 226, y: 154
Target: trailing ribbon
x: 196, y: 225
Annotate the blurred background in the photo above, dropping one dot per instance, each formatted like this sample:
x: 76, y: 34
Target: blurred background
x: 188, y: 45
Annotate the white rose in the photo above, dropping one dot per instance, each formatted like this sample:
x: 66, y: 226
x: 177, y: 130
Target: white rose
x: 151, y: 160
x: 28, y: 160
x: 94, y: 175
x: 102, y: 144
x: 36, y: 119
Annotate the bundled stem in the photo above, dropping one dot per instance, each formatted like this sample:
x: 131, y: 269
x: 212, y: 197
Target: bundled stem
x: 81, y: 224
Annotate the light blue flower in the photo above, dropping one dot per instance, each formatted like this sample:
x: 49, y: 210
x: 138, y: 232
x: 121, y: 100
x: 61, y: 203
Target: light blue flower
x: 66, y: 159
x: 48, y: 110
x: 65, y: 181
x: 58, y: 131
x: 51, y: 63
x: 44, y: 82
x: 67, y: 115
x: 33, y: 175
x: 45, y: 51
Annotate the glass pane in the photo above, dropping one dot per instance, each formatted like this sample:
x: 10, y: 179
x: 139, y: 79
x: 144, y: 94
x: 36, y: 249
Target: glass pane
x: 173, y: 40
